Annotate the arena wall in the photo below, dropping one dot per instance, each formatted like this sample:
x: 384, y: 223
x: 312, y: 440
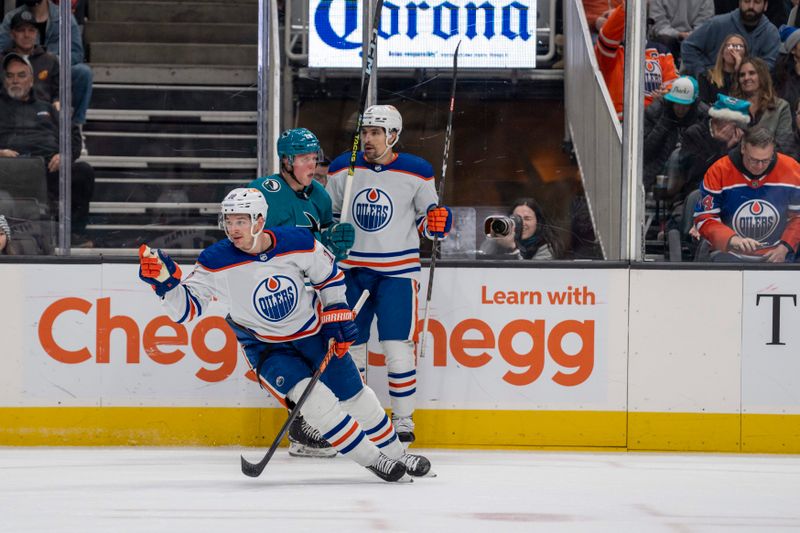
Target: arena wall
x: 608, y: 358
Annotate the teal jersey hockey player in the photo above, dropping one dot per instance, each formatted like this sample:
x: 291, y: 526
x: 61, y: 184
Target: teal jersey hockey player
x: 308, y: 208
x: 297, y: 199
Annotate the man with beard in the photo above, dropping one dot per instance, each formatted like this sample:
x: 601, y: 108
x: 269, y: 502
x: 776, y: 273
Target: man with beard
x: 29, y: 128
x: 699, y: 50
x: 25, y: 42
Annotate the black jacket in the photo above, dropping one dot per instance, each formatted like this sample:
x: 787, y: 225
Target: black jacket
x: 31, y: 128
x: 663, y: 132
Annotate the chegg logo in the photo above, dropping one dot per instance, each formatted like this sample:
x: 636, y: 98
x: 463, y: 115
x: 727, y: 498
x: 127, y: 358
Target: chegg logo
x: 152, y: 338
x: 471, y: 343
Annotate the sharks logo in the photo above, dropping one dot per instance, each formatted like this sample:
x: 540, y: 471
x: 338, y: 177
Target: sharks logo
x: 272, y: 185
x: 313, y: 223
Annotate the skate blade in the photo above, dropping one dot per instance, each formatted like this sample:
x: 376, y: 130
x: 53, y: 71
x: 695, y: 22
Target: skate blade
x: 405, y: 479
x: 313, y: 455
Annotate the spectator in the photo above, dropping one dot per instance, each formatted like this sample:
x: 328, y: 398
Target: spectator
x: 749, y: 208
x: 5, y: 235
x: 45, y: 65
x: 29, y: 127
x: 721, y: 78
x: 47, y: 20
x: 598, y: 11
x: 321, y: 172
x: 766, y: 109
x: 665, y: 123
x: 787, y: 68
x: 705, y: 143
x: 659, y: 65
x: 528, y: 236
x: 700, y: 49
x: 675, y: 20
x: 776, y: 10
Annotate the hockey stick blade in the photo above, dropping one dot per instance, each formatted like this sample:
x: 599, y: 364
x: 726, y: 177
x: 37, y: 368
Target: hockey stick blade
x: 255, y: 469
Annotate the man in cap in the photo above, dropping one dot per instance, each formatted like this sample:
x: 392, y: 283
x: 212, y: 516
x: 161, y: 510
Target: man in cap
x: 666, y: 120
x: 25, y: 42
x: 29, y: 128
x: 46, y: 16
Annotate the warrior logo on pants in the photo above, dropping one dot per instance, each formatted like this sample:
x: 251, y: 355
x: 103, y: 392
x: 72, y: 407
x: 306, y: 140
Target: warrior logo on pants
x: 275, y: 298
x: 372, y: 209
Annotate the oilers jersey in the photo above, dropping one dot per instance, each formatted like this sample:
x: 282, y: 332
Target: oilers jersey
x: 766, y: 209
x: 264, y: 293
x: 306, y: 209
x: 388, y: 209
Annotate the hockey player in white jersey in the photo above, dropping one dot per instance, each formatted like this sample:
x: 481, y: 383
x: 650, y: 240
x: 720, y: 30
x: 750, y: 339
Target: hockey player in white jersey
x: 393, y: 202
x: 258, y: 275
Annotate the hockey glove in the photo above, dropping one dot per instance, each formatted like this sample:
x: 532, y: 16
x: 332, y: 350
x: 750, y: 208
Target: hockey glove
x: 439, y: 221
x: 159, y: 270
x: 338, y: 326
x: 339, y: 238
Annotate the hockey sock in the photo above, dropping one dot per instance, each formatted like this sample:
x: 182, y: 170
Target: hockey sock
x: 366, y: 408
x: 402, y: 369
x: 324, y: 412
x: 358, y: 352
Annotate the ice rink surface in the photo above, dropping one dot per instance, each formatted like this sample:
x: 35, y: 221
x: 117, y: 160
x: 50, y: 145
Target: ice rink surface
x: 194, y: 490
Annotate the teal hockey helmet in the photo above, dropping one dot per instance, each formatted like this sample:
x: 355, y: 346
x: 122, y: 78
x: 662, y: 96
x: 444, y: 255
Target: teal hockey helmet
x: 297, y: 141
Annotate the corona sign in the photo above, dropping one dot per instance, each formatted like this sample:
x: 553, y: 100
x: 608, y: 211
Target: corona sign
x: 424, y: 34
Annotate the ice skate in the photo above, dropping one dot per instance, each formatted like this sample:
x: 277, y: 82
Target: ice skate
x: 305, y: 441
x: 404, y: 427
x: 417, y: 465
x: 389, y: 469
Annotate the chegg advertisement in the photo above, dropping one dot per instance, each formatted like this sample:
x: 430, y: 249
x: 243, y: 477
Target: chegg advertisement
x: 497, y: 338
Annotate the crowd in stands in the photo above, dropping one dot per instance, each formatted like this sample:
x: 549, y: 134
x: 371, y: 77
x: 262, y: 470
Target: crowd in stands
x: 30, y: 103
x: 722, y: 88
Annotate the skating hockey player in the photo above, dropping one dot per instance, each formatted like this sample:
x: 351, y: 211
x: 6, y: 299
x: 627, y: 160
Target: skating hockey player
x: 258, y: 274
x: 393, y: 202
x: 296, y: 199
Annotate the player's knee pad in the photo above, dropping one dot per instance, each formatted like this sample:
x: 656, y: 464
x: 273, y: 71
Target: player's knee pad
x: 358, y: 352
x: 321, y: 409
x: 365, y: 407
x: 399, y: 355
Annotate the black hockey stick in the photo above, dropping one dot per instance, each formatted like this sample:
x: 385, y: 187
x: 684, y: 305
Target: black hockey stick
x: 435, y: 247
x: 365, y: 77
x: 255, y: 469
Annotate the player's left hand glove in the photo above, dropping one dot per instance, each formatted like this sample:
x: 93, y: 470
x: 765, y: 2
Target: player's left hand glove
x: 339, y: 238
x: 439, y: 221
x: 338, y: 326
x: 159, y: 270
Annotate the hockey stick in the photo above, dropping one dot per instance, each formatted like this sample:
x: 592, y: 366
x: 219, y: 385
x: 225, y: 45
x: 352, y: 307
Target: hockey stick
x: 255, y: 469
x: 365, y: 77
x: 435, y: 247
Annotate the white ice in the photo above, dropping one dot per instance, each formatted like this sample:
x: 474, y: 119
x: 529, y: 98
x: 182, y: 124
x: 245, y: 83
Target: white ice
x: 193, y: 490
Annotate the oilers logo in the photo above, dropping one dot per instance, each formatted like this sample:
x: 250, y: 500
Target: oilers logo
x: 756, y: 219
x: 272, y: 185
x: 653, y: 77
x: 372, y: 209
x: 275, y: 298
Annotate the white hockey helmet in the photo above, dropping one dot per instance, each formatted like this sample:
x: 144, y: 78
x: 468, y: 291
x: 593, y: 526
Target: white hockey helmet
x: 243, y: 201
x: 386, y: 117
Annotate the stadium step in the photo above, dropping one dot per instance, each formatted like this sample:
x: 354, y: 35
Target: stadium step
x: 244, y: 55
x: 171, y: 32
x: 187, y: 11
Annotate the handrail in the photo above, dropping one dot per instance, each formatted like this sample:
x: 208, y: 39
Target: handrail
x: 594, y: 129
